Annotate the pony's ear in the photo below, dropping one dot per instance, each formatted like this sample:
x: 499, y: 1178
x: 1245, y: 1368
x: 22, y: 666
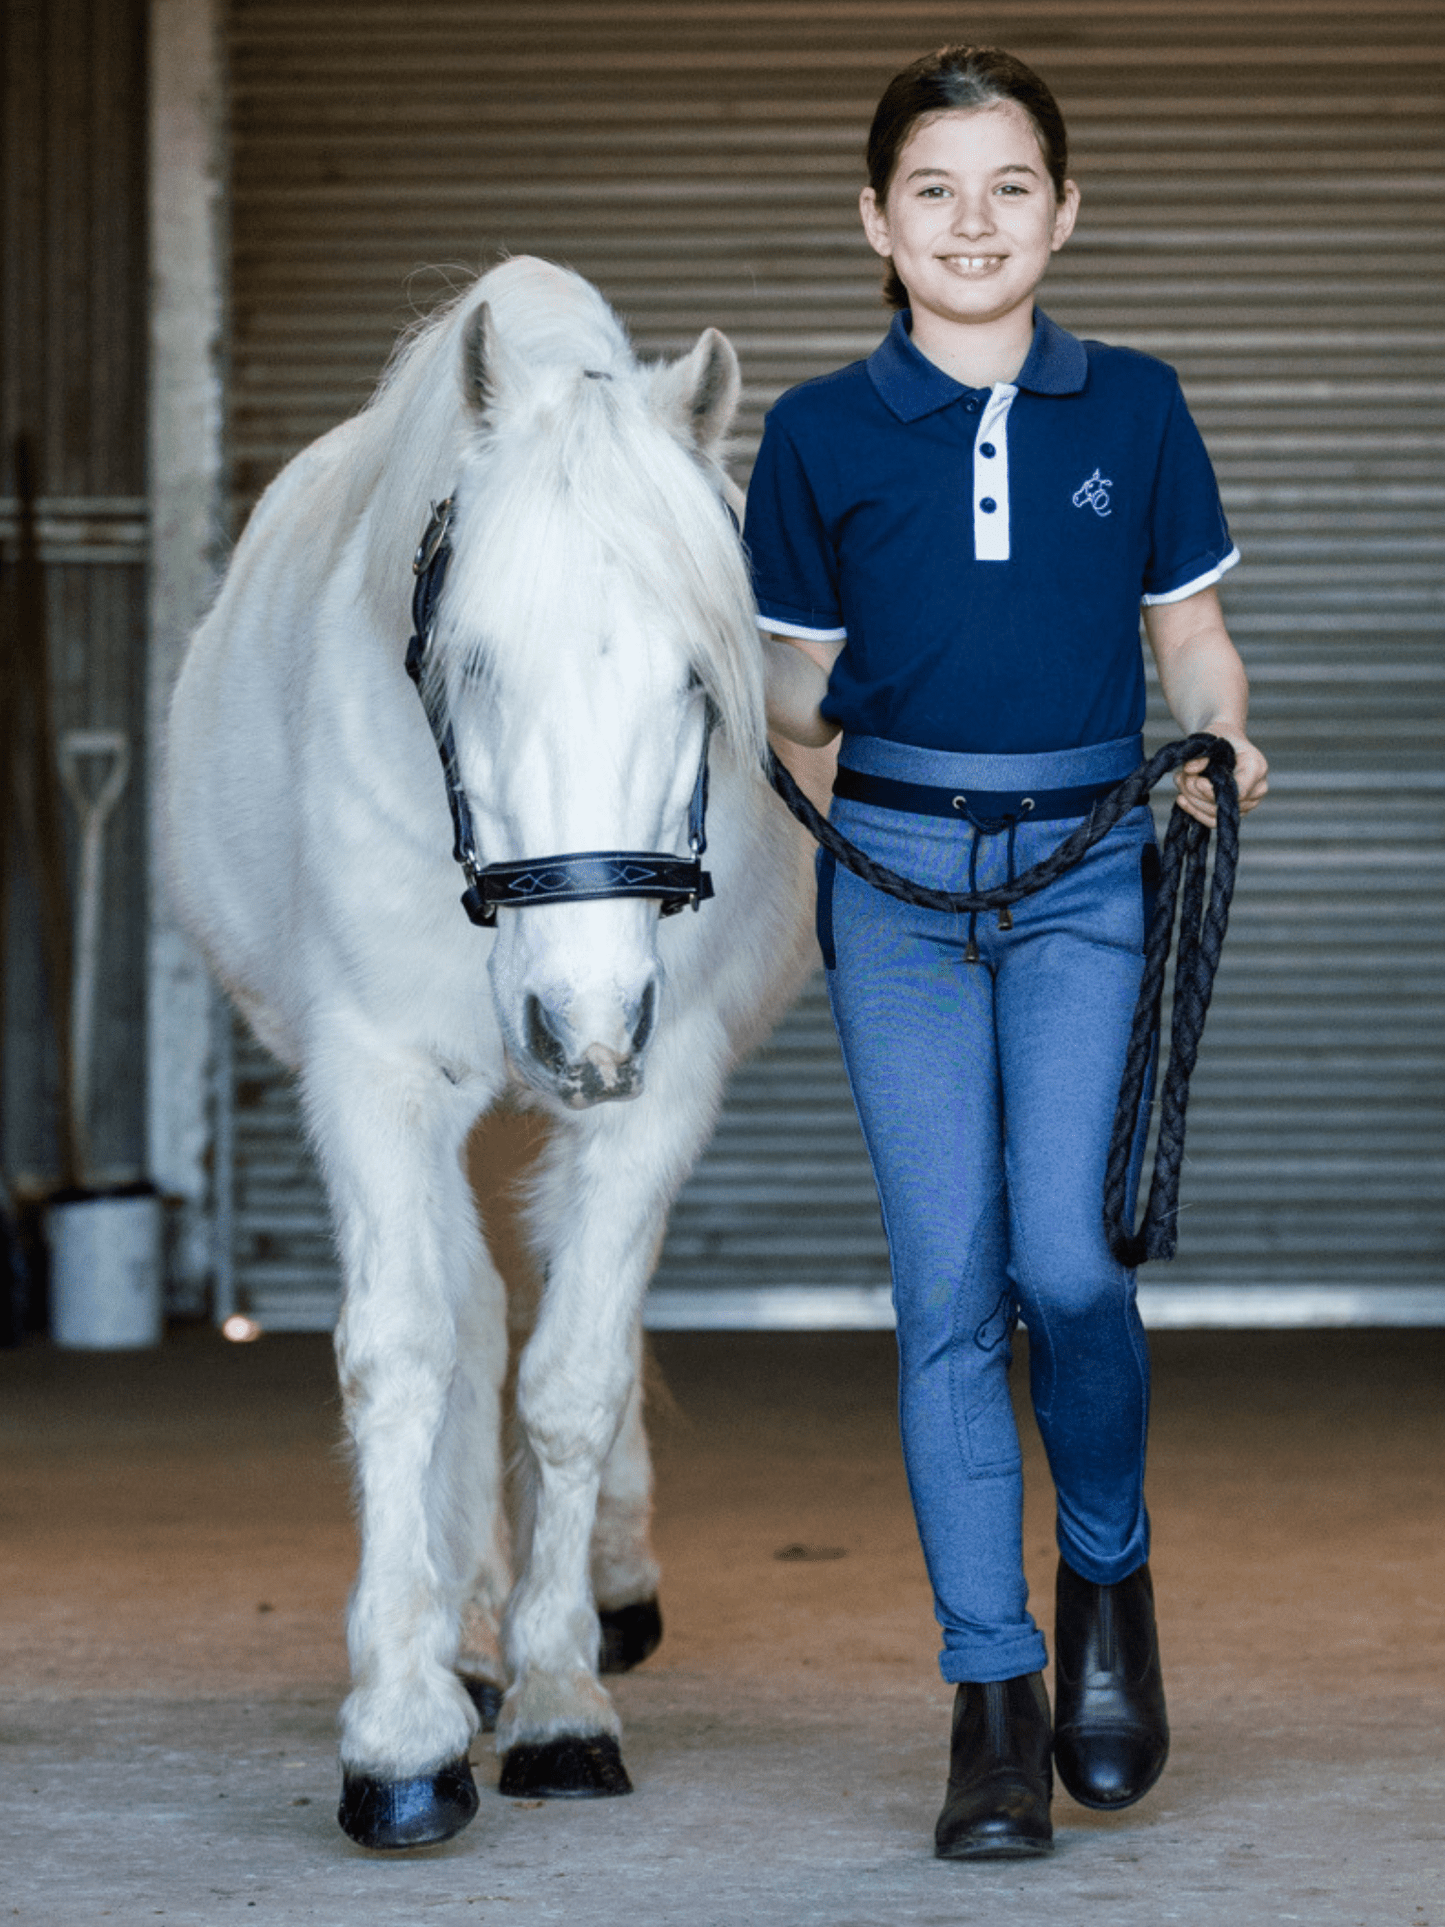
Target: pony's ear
x: 484, y: 362
x: 698, y: 395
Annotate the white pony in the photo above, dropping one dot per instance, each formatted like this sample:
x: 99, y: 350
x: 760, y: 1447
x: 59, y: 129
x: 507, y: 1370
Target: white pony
x: 595, y: 616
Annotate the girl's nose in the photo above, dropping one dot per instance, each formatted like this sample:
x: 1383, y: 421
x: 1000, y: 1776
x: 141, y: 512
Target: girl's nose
x: 973, y: 215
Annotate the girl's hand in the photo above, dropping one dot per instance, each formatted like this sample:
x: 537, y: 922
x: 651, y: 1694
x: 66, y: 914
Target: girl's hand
x: 1251, y: 774
x: 1207, y: 690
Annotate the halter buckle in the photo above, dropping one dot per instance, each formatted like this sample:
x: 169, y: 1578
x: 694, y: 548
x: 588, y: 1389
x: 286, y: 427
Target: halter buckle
x: 433, y: 535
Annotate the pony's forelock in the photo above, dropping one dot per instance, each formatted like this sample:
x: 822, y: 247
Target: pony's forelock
x: 571, y: 463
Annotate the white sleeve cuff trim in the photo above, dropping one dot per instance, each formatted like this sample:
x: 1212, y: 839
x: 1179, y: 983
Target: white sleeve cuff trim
x: 772, y: 625
x: 1193, y: 588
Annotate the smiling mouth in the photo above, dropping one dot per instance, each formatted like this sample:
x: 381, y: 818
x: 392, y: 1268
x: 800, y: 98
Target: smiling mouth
x: 972, y: 263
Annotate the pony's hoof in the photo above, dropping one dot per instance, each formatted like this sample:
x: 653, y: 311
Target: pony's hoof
x: 585, y: 1767
x: 486, y: 1696
x: 386, y: 1814
x: 629, y: 1634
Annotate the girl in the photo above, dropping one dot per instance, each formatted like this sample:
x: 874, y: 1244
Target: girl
x: 951, y: 542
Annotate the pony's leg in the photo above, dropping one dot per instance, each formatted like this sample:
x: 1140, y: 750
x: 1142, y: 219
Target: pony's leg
x: 421, y: 1350
x: 601, y: 1203
x: 500, y: 1155
x: 625, y: 1572
x: 471, y: 1448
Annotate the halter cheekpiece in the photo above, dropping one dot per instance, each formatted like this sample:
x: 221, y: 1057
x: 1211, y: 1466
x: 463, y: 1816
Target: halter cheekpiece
x: 576, y: 877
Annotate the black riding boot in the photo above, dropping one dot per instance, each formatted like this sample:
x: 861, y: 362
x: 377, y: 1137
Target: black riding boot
x: 999, y: 1778
x: 1111, y: 1732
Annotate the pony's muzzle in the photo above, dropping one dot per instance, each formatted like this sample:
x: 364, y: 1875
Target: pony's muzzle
x: 596, y: 1072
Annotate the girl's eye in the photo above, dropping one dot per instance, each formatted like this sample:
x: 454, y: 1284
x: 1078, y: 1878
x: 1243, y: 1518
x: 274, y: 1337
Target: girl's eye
x: 935, y: 192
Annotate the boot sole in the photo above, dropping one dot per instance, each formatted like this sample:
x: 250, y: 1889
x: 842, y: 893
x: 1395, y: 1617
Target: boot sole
x: 999, y: 1850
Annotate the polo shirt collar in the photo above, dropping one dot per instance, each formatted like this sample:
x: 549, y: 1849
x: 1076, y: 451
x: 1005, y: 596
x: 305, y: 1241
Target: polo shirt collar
x: 913, y: 386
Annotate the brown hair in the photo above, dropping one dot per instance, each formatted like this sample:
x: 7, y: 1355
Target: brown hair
x: 951, y: 78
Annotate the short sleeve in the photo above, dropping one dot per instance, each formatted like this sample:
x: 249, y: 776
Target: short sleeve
x: 1190, y: 545
x: 794, y: 565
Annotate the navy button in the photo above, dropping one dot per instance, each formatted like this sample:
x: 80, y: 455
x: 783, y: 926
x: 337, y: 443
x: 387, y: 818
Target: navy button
x: 987, y: 448
x: 970, y: 407
x: 988, y: 505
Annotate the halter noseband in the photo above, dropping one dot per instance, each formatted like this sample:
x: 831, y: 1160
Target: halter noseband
x: 578, y: 877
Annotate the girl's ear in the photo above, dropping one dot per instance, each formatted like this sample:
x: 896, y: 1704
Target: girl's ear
x: 698, y: 396
x: 875, y: 224
x: 1066, y: 215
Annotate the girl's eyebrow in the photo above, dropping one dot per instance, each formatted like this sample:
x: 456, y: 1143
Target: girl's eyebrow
x: 946, y: 173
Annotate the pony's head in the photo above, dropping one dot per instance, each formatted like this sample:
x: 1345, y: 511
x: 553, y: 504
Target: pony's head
x: 597, y: 599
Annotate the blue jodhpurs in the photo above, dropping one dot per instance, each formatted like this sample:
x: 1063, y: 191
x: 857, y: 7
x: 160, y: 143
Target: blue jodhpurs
x: 986, y: 1093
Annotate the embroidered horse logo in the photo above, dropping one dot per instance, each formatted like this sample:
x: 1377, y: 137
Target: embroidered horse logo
x: 1094, y: 494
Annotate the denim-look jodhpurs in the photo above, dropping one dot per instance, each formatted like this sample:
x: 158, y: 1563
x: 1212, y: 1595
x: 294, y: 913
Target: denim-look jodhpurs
x: 987, y: 1094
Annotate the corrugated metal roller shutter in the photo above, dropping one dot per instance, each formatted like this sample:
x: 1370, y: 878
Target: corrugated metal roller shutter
x: 1262, y: 207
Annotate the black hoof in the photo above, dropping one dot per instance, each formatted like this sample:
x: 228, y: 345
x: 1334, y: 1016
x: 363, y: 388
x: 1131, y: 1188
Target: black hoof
x: 629, y: 1634
x: 588, y: 1767
x: 486, y: 1697
x: 387, y: 1814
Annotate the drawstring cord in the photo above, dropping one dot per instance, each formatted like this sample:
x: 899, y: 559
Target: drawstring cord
x: 1006, y: 916
x: 982, y: 827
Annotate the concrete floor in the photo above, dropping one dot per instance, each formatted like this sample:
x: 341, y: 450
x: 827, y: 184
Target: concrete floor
x: 177, y: 1549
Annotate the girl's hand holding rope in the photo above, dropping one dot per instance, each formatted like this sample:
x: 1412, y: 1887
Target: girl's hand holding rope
x: 1251, y: 775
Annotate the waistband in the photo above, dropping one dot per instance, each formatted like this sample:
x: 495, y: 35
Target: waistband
x: 982, y: 808
x: 1055, y: 769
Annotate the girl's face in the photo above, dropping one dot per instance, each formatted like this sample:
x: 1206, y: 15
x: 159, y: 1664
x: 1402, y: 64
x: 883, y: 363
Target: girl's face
x: 971, y: 217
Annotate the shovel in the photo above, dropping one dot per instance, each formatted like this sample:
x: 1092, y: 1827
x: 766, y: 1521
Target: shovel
x: 104, y: 1246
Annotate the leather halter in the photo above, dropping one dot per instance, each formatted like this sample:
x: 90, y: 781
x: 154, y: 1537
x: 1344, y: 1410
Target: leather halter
x: 577, y: 877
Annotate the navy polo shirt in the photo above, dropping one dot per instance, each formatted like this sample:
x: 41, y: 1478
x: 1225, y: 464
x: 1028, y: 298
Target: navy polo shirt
x: 984, y: 552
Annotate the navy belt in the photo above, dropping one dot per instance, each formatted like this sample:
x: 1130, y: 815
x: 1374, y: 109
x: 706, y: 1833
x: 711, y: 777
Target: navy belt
x: 970, y: 806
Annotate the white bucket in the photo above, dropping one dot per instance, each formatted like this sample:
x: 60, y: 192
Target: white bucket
x: 105, y: 1272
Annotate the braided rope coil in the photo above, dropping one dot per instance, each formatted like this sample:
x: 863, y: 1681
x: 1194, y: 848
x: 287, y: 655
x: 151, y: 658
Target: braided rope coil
x: 1203, y: 920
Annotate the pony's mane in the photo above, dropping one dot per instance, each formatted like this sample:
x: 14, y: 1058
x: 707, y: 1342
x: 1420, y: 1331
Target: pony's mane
x: 572, y: 466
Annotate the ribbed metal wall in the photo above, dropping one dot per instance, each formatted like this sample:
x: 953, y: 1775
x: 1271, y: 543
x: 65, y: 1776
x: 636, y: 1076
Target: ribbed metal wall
x: 72, y: 381
x: 1264, y: 206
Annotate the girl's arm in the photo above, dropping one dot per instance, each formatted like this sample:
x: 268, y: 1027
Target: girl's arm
x: 1206, y: 689
x: 795, y: 675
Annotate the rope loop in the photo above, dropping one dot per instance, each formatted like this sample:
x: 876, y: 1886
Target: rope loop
x: 1202, y: 925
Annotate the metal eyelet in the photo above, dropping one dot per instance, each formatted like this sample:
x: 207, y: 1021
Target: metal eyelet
x: 960, y: 802
x: 1027, y: 804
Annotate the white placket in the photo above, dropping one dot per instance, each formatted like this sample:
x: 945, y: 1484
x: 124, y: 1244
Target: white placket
x: 990, y: 477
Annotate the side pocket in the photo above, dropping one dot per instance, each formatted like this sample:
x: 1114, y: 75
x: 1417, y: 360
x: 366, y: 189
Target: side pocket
x: 825, y: 868
x: 1149, y: 869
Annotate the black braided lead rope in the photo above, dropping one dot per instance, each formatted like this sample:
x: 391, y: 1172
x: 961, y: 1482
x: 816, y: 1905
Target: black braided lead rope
x: 1201, y: 938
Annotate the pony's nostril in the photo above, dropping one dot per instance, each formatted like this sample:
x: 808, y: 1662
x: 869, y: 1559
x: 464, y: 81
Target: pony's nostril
x: 646, y: 1019
x: 542, y: 1038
